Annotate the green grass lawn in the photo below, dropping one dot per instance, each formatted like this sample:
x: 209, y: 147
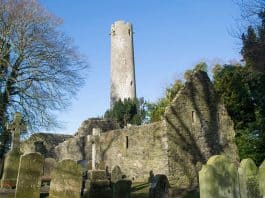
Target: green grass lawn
x: 140, y: 190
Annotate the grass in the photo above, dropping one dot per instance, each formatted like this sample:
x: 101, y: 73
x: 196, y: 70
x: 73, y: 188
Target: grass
x: 140, y: 190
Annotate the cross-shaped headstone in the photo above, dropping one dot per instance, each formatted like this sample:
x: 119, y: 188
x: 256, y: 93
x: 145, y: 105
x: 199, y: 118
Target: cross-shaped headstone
x: 16, y: 127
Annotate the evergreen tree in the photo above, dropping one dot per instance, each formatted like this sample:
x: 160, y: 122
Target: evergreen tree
x: 253, y: 50
x: 129, y: 111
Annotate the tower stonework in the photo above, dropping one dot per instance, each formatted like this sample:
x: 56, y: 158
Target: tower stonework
x: 122, y: 62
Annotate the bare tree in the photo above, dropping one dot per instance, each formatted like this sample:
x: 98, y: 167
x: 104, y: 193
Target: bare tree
x: 40, y: 69
x: 250, y: 9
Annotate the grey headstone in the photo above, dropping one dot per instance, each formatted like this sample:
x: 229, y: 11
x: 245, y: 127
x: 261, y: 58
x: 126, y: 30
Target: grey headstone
x: 29, y: 176
x: 159, y: 187
x: 248, y: 179
x: 66, y: 180
x: 116, y: 174
x: 219, y: 179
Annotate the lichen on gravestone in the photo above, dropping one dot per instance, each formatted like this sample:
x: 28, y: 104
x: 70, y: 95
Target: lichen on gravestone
x: 248, y: 179
x: 29, y: 176
x: 262, y: 179
x: 66, y: 180
x: 219, y: 179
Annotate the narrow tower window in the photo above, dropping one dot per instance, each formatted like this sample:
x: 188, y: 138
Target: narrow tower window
x: 129, y: 32
x: 127, y: 142
x: 193, y: 116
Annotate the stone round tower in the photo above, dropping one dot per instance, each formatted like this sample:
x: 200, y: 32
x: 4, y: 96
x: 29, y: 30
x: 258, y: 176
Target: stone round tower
x: 122, y: 62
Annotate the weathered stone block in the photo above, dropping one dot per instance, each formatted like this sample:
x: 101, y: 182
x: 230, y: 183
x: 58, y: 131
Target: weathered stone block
x: 29, y: 176
x: 219, y: 179
x: 66, y: 180
x: 10, y: 172
x: 248, y: 179
x: 262, y: 179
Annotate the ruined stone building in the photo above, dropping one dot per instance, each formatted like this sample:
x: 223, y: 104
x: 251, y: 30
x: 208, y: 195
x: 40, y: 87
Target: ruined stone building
x: 195, y: 126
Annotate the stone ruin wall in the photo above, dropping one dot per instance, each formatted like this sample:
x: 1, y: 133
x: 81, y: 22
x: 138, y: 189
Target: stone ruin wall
x: 43, y: 143
x: 136, y: 150
x: 79, y: 147
x: 198, y: 127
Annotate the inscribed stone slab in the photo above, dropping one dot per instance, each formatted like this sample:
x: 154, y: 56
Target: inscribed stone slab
x: 66, y: 180
x: 29, y: 176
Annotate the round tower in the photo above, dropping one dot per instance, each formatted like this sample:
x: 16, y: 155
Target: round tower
x: 122, y: 62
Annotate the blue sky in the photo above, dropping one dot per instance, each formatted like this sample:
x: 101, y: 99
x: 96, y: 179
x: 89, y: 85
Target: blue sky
x: 170, y: 36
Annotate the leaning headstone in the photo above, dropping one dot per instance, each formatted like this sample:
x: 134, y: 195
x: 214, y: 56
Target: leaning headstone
x: 29, y: 176
x: 262, y: 179
x: 116, y: 174
x: 122, y: 189
x: 248, y: 179
x: 12, y: 158
x: 219, y: 179
x: 159, y: 187
x: 66, y: 180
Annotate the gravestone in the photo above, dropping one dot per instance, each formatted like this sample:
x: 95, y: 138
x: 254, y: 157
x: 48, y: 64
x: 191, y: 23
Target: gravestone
x: 248, y: 179
x: 12, y: 158
x: 159, y: 187
x: 116, y: 174
x: 29, y: 176
x: 66, y: 180
x: 122, y: 189
x: 49, y: 165
x: 219, y: 179
x: 262, y: 179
